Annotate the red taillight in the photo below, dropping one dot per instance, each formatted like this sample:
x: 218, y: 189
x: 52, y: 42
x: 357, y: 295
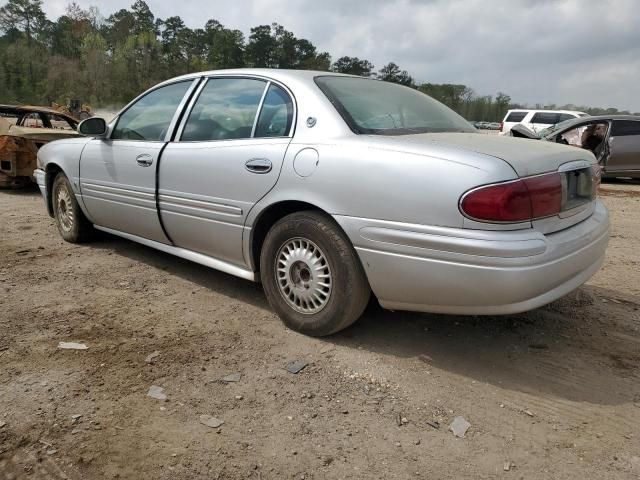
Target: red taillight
x: 546, y: 194
x: 517, y: 201
x: 501, y: 126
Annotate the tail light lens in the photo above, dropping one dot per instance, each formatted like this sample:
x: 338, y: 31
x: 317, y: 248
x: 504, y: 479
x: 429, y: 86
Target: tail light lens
x: 517, y: 201
x: 501, y: 125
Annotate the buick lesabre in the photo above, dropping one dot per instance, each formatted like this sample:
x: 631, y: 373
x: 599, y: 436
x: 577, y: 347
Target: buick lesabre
x: 328, y: 187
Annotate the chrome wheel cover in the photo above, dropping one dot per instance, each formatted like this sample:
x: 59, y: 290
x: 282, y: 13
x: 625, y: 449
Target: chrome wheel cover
x: 64, y: 208
x: 303, y: 275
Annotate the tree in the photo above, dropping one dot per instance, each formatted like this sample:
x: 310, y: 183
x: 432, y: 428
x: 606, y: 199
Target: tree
x: 224, y: 47
x: 144, y: 19
x: 118, y: 27
x: 261, y: 48
x: 66, y: 35
x: 353, y: 66
x: 392, y: 73
x: 175, y: 39
x: 23, y: 15
x: 107, y: 62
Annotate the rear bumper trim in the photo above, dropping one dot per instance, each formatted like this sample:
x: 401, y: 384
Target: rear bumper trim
x: 494, y: 272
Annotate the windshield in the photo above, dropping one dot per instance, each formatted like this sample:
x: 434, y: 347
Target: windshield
x: 382, y: 108
x: 556, y: 127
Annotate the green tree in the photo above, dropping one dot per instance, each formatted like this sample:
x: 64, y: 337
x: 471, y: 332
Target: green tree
x: 353, y: 66
x: 144, y: 19
x: 224, y: 47
x: 392, y: 73
x: 23, y: 15
x: 261, y: 48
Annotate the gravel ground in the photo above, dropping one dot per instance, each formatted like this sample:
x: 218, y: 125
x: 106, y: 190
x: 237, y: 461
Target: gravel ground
x: 552, y: 393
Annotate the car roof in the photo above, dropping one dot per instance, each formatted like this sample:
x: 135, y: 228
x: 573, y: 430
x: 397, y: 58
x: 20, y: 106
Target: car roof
x: 35, y: 109
x: 569, y: 123
x: 281, y: 75
x: 596, y: 118
x: 544, y: 111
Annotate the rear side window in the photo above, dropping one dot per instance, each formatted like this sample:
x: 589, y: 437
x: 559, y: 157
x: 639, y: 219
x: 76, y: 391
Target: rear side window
x: 516, y: 117
x: 150, y: 117
x: 276, y: 114
x: 622, y: 128
x: 225, y: 110
x: 545, y: 118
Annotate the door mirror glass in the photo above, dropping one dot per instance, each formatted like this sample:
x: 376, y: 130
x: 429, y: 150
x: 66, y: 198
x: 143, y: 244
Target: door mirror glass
x: 150, y: 117
x: 93, y: 127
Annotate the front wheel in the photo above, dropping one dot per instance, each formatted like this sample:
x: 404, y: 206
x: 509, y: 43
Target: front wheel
x: 72, y: 224
x: 311, y: 274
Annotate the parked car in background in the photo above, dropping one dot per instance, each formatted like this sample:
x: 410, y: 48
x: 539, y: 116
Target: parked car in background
x: 536, y: 120
x: 23, y: 130
x: 613, y: 139
x: 326, y: 187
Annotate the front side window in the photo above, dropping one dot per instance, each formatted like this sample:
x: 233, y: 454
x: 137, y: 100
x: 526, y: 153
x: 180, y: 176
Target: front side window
x: 381, y: 108
x: 225, y: 110
x: 276, y: 115
x: 150, y: 117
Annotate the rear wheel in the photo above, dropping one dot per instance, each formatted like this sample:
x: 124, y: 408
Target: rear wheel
x: 311, y: 274
x: 72, y: 224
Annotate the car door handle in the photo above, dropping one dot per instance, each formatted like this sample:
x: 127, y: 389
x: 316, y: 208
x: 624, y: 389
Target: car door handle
x: 144, y: 160
x: 258, y: 165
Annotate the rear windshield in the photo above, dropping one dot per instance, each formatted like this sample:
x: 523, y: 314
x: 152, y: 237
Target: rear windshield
x: 382, y: 108
x: 516, y: 117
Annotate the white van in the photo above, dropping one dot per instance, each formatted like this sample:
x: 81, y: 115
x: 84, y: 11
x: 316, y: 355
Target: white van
x: 536, y: 120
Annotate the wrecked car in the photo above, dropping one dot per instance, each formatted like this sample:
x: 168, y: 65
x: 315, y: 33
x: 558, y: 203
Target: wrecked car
x: 613, y: 139
x: 23, y: 130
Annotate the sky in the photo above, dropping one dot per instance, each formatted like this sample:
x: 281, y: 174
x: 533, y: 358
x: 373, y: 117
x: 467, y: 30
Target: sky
x: 584, y: 52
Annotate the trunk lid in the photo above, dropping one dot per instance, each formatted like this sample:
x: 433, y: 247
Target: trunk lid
x: 527, y: 158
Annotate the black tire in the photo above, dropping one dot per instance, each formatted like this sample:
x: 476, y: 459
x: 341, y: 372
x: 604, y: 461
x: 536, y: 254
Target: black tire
x: 338, y: 298
x: 70, y: 220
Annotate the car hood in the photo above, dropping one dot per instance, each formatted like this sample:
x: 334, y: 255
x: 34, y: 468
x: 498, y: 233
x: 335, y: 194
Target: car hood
x: 526, y: 157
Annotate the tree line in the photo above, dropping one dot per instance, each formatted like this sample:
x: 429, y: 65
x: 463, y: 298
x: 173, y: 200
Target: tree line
x: 109, y: 60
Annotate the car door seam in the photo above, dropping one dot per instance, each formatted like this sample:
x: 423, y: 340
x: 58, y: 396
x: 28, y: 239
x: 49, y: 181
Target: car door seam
x: 157, y: 194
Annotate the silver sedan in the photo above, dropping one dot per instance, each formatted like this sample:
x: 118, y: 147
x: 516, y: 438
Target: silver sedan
x: 328, y: 187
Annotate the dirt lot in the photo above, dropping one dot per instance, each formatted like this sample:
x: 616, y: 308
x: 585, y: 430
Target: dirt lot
x: 554, y: 393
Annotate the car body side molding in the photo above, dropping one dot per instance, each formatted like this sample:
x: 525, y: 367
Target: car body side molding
x: 186, y: 254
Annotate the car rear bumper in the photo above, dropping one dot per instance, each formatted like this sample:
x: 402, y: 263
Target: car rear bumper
x: 461, y: 271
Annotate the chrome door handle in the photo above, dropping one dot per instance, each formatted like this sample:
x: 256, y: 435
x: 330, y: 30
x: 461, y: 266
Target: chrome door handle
x: 258, y: 165
x: 144, y: 160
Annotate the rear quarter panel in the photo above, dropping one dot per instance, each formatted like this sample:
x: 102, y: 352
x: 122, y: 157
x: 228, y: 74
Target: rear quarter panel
x: 352, y: 178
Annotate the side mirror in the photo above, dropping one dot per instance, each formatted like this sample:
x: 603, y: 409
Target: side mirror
x: 93, y: 127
